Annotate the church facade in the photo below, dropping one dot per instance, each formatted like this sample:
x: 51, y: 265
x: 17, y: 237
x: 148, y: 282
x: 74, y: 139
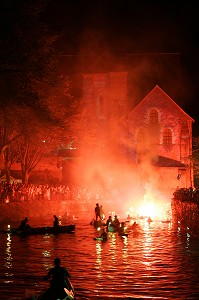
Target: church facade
x: 161, y: 133
x: 155, y: 137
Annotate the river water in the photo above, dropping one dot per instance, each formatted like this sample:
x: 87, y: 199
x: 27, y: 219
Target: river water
x: 158, y: 262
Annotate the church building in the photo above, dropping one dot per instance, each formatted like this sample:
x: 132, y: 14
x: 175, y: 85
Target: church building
x: 155, y: 137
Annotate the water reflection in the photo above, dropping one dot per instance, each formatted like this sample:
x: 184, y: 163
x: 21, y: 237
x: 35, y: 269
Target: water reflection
x: 158, y: 263
x: 98, y: 255
x: 8, y: 259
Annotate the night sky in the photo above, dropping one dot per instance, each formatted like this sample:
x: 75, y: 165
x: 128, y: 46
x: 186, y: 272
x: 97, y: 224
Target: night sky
x: 136, y: 27
x: 121, y: 27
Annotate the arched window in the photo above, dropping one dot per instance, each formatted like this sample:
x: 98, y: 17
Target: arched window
x: 167, y: 137
x: 153, y: 116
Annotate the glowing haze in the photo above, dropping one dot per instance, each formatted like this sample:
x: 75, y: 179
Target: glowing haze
x: 103, y: 166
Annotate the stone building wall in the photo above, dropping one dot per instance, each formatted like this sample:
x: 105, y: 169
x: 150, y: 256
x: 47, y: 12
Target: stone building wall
x: 185, y: 215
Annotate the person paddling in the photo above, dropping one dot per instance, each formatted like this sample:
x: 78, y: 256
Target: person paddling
x: 24, y: 225
x: 60, y: 283
x: 104, y: 234
x: 56, y: 222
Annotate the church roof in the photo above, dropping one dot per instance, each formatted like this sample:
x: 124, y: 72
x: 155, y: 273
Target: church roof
x: 153, y: 97
x: 161, y: 161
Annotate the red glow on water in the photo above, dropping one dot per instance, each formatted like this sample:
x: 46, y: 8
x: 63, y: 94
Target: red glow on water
x: 148, y: 210
x: 151, y: 205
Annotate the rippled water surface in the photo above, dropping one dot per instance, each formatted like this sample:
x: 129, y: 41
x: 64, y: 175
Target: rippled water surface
x: 156, y: 263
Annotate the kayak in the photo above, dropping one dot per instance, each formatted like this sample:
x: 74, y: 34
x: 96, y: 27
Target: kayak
x: 97, y: 224
x: 69, y: 295
x: 166, y: 221
x: 122, y: 234
x: 111, y: 229
x: 41, y: 230
x: 65, y: 294
x: 100, y: 239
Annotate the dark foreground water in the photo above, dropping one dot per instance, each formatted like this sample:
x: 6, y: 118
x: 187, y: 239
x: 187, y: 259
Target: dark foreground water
x: 160, y: 262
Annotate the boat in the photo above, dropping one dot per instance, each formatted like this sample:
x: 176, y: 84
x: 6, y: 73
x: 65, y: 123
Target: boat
x: 97, y: 224
x: 66, y: 294
x: 123, y: 234
x: 100, y: 239
x: 42, y: 230
x: 111, y: 228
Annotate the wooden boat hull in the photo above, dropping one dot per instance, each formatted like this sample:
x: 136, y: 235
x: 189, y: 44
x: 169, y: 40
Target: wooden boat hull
x: 42, y: 230
x: 61, y: 295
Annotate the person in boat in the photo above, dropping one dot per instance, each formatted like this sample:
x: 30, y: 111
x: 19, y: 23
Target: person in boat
x: 116, y: 223
x: 129, y: 217
x: 134, y: 225
x: 149, y: 220
x: 97, y: 212
x: 102, y: 214
x: 122, y: 229
x: 104, y: 234
x: 24, y: 225
x: 56, y: 223
x: 59, y: 279
x: 109, y: 222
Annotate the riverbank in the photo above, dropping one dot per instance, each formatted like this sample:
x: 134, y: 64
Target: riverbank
x: 39, y: 211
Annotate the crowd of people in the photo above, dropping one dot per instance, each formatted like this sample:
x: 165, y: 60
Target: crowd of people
x: 15, y: 191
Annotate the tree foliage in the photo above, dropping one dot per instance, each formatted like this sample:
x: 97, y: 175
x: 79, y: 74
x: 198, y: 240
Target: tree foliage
x: 35, y: 100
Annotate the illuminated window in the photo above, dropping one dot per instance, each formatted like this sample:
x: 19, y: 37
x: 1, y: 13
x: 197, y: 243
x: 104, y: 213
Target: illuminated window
x: 167, y: 137
x: 153, y: 116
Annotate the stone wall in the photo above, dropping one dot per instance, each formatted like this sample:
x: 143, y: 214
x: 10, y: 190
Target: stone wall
x: 186, y: 215
x: 40, y: 212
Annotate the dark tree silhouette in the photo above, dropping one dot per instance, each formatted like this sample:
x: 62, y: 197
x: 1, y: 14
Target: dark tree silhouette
x: 32, y: 92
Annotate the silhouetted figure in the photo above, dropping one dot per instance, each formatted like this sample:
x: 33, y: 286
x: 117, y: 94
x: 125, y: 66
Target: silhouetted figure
x: 121, y: 229
x: 102, y: 214
x: 116, y: 223
x: 56, y: 222
x: 109, y: 222
x: 104, y: 234
x: 129, y: 217
x: 149, y: 220
x: 134, y: 225
x: 59, y: 280
x: 97, y: 212
x: 24, y: 225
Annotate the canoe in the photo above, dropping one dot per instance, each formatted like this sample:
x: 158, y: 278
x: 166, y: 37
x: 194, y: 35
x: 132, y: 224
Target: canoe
x: 42, y: 230
x: 122, y: 234
x: 100, y: 239
x: 111, y: 229
x: 66, y: 294
x: 97, y: 224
